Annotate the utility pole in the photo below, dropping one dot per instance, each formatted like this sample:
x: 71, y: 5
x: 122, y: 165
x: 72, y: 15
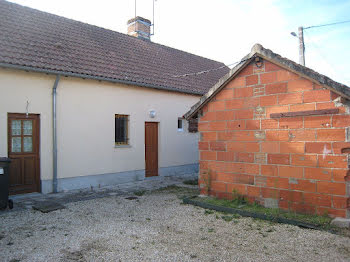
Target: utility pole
x: 301, y: 46
x: 301, y: 38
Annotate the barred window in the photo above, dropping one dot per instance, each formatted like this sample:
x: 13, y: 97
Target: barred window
x: 121, y: 129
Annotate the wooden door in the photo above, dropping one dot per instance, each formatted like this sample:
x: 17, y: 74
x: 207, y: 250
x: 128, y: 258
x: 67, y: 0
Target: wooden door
x: 23, y: 150
x: 151, y: 148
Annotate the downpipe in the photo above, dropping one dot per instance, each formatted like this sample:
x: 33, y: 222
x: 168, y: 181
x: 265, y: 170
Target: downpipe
x: 54, y: 133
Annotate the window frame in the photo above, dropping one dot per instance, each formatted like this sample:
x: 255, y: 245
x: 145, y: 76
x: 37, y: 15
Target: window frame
x: 126, y: 141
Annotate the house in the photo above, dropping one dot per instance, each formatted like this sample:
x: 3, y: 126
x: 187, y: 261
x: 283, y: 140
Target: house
x: 278, y: 133
x: 82, y: 106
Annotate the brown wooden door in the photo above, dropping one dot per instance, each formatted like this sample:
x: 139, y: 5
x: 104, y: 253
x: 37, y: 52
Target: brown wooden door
x: 23, y: 150
x: 151, y: 148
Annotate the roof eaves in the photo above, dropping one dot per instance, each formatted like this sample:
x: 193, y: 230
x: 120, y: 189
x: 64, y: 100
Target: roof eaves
x: 99, y: 78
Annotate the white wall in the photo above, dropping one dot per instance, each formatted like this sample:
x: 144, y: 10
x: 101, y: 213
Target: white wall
x: 85, y: 115
x: 86, y: 110
x: 18, y: 87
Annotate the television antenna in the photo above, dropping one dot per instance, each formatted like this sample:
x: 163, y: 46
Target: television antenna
x: 152, y: 25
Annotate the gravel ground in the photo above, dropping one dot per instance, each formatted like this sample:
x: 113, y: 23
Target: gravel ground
x: 157, y: 227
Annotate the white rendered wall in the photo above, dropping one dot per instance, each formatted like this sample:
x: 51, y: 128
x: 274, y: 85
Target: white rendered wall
x: 85, y: 122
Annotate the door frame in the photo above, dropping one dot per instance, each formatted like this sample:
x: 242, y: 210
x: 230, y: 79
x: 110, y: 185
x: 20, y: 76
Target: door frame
x: 155, y: 122
x: 36, y: 145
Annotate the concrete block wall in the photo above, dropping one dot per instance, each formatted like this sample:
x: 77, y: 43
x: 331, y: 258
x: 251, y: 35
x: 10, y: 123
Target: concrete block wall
x: 294, y: 163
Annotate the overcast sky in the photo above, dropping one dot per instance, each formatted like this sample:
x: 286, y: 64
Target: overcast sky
x: 225, y: 30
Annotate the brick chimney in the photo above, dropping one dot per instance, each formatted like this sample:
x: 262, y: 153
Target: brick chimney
x: 140, y: 27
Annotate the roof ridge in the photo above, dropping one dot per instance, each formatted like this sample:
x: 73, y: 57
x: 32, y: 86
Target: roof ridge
x: 259, y: 50
x: 309, y: 72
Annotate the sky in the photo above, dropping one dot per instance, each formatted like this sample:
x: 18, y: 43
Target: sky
x: 226, y: 30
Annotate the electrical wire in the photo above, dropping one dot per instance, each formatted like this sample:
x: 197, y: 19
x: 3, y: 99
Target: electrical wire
x: 232, y: 64
x: 324, y: 58
x: 210, y: 70
x: 313, y: 44
x: 336, y: 23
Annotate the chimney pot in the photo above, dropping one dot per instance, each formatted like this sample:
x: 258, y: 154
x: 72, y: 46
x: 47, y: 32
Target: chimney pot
x: 140, y: 27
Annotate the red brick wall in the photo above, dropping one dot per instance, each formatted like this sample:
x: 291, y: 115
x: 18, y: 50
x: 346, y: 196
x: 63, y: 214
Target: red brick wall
x: 293, y: 162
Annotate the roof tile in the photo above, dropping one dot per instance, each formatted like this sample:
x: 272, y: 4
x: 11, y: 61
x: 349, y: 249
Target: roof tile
x: 40, y: 40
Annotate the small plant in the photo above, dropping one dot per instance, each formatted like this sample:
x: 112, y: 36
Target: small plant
x: 227, y: 218
x: 270, y: 230
x: 206, y: 176
x: 241, y: 203
x: 236, y: 216
x: 208, y: 212
x: 139, y: 193
x: 192, y: 182
x: 238, y: 198
x: 263, y: 234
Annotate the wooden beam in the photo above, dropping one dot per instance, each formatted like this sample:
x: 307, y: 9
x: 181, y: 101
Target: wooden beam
x: 345, y: 150
x: 306, y: 113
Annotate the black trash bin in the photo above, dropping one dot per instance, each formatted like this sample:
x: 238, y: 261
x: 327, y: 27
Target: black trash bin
x: 4, y: 183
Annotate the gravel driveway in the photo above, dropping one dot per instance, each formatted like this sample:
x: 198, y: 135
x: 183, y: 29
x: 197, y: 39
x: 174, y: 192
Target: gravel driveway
x: 157, y: 227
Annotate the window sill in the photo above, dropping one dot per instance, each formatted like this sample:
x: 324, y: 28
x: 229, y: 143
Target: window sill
x: 122, y: 146
x: 180, y: 130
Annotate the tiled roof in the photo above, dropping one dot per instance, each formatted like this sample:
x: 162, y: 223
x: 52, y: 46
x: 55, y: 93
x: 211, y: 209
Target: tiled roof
x: 41, y: 41
x: 259, y: 51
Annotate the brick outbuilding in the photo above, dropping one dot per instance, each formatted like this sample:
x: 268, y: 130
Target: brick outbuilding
x: 278, y: 133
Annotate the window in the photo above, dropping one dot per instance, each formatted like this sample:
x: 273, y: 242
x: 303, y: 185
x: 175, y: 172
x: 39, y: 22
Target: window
x: 121, y: 129
x: 180, y: 124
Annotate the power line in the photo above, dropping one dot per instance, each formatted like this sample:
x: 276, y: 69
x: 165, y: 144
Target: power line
x: 301, y: 38
x: 333, y: 68
x: 336, y: 23
x: 221, y: 67
x: 313, y: 43
x: 210, y: 70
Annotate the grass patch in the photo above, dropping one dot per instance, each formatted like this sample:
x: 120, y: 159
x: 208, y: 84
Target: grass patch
x: 227, y: 218
x: 322, y: 221
x: 139, y: 193
x: 208, y: 212
x: 180, y: 192
x: 193, y: 182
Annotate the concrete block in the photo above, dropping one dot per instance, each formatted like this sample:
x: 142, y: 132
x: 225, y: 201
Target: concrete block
x: 347, y: 132
x: 260, y: 135
x: 271, y: 203
x: 260, y: 158
x: 260, y: 110
x: 47, y: 206
x: 341, y: 222
x: 293, y: 180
